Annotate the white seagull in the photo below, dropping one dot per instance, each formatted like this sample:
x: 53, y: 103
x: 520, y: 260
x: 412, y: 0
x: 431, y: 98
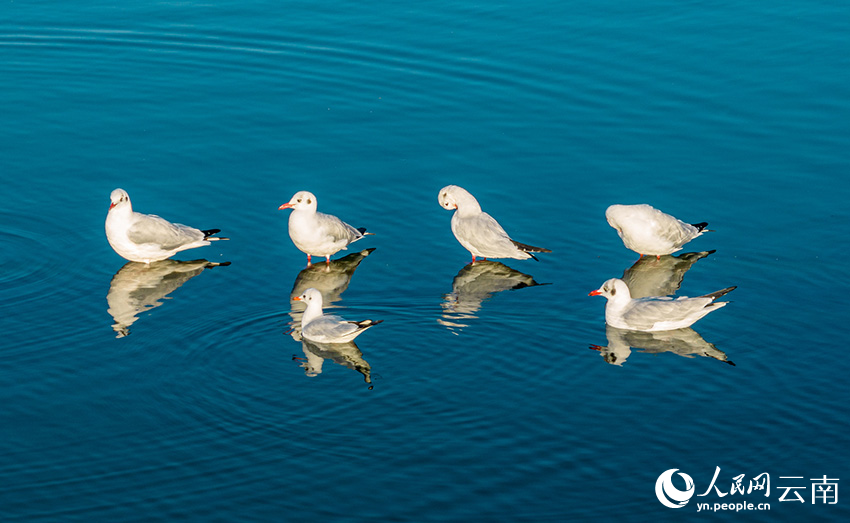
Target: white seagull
x: 316, y: 233
x: 319, y: 328
x: 147, y: 237
x: 654, y: 313
x: 646, y: 230
x: 477, y: 231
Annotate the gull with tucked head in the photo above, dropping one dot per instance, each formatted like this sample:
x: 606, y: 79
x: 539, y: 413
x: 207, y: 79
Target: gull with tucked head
x: 477, y: 231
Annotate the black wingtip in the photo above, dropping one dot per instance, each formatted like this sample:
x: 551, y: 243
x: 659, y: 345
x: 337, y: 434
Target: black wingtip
x: 212, y: 232
x: 529, y: 248
x: 701, y: 226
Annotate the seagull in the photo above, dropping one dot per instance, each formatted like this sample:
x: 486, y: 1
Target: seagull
x: 646, y: 230
x: 654, y: 313
x: 319, y: 328
x: 316, y: 233
x: 147, y: 237
x: 477, y: 231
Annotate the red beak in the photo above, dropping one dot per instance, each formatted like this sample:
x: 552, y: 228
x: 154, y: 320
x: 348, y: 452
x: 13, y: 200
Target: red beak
x: 111, y: 205
x: 297, y: 298
x: 285, y: 206
x: 594, y: 293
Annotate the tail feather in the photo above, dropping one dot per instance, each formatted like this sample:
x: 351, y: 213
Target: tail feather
x: 716, y: 294
x: 365, y: 324
x: 529, y: 248
x: 209, y: 232
x: 362, y: 230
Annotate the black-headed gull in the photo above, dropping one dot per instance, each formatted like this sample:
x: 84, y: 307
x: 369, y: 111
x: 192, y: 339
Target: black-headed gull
x: 646, y: 230
x: 147, y: 237
x: 316, y: 233
x: 654, y: 313
x: 477, y: 231
x: 319, y: 328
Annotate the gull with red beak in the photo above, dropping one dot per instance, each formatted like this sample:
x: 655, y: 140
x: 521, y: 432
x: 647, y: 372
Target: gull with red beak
x: 147, y: 237
x: 316, y: 233
x: 658, y: 313
x: 477, y: 231
x: 317, y: 327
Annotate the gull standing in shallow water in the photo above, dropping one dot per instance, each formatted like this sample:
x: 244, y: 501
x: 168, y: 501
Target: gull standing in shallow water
x: 147, y: 237
x: 319, y: 328
x: 646, y: 230
x: 316, y: 233
x: 655, y: 313
x: 477, y: 231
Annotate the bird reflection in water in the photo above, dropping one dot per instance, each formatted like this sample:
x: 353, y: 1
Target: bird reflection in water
x: 651, y: 276
x: 346, y: 354
x: 330, y: 279
x: 138, y: 287
x: 475, y: 283
x: 684, y: 342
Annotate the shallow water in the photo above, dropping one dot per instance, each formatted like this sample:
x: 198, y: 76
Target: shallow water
x: 482, y: 396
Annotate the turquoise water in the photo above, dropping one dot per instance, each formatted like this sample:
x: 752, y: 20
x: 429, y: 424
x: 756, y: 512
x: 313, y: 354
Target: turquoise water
x: 491, y: 392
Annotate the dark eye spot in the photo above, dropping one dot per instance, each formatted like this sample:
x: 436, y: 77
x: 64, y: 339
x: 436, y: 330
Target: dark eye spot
x: 613, y: 291
x: 299, y: 200
x: 309, y: 201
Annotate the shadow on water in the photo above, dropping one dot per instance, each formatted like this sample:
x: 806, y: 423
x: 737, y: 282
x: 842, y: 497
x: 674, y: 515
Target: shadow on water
x: 346, y: 354
x: 651, y: 276
x: 329, y: 279
x: 475, y: 283
x: 683, y: 342
x: 139, y: 287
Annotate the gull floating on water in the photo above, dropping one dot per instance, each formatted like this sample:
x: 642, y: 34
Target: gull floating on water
x: 147, y: 237
x: 477, y: 231
x: 331, y: 280
x: 316, y: 233
x: 654, y: 313
x: 646, y: 230
x: 319, y: 328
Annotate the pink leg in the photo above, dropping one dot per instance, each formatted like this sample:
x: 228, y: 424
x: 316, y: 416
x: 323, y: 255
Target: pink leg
x: 308, y: 261
x: 328, y: 260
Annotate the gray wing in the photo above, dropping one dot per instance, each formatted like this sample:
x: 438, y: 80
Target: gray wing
x: 483, y: 232
x: 150, y: 228
x: 336, y: 229
x: 647, y: 312
x: 330, y: 327
x: 672, y: 229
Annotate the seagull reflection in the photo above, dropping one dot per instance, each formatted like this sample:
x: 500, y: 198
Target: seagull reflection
x: 330, y: 279
x: 684, y: 342
x: 475, y: 283
x: 138, y: 287
x: 651, y: 276
x: 345, y: 354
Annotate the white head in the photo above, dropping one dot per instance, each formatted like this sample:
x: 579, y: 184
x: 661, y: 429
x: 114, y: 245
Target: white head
x: 310, y: 297
x: 614, y: 289
x: 455, y: 197
x: 302, y: 201
x: 119, y: 197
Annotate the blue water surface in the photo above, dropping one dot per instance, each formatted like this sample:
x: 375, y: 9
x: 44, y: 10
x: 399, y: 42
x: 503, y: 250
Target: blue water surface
x: 181, y: 393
